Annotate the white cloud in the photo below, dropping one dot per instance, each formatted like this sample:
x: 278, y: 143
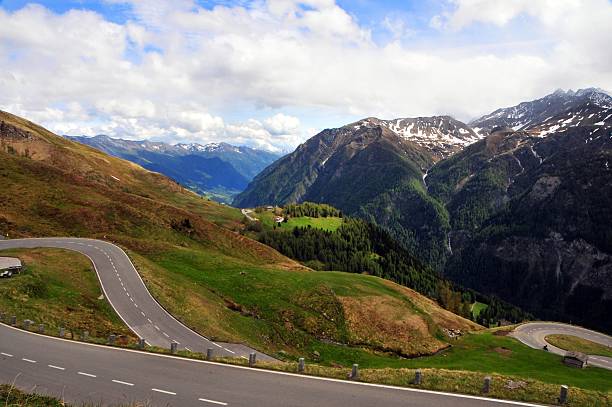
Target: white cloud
x: 174, y: 68
x: 282, y: 124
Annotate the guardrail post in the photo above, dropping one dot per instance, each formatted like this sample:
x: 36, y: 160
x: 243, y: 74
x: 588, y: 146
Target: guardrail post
x: 209, y: 354
x: 252, y: 359
x: 85, y: 336
x: 355, y: 372
x: 13, y: 320
x: 301, y: 365
x: 41, y: 328
x: 141, y: 343
x: 563, y: 394
x: 487, y: 385
x: 418, y: 377
x: 173, y: 347
x: 111, y: 339
x: 62, y: 332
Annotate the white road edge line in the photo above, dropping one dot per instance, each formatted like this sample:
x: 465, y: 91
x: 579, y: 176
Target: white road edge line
x: 213, y: 402
x: 56, y: 367
x: 87, y: 374
x: 164, y: 391
x: 121, y: 382
x: 28, y: 360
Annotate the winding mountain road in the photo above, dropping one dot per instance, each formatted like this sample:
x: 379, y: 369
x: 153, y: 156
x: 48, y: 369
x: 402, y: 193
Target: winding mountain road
x: 80, y: 372
x: 533, y: 335
x: 128, y: 295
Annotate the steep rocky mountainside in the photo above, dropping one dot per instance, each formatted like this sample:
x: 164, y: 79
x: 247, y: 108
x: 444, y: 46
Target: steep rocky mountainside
x: 530, y: 220
x: 511, y: 214
x: 442, y: 135
x: 218, y: 168
x: 529, y: 114
x: 531, y: 215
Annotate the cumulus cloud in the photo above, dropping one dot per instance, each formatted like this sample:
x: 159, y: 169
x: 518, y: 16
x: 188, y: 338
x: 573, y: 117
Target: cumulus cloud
x: 174, y: 69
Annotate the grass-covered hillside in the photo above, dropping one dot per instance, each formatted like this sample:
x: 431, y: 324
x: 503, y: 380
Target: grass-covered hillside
x: 59, y: 288
x: 224, y: 284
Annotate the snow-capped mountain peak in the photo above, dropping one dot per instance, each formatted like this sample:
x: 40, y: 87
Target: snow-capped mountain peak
x: 527, y: 115
x: 442, y: 135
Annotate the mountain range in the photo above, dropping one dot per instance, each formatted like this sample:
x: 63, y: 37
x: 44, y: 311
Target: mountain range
x: 517, y: 203
x: 219, y: 170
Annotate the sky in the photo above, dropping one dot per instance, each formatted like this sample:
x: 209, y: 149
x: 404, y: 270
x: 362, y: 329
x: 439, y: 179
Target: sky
x: 271, y: 73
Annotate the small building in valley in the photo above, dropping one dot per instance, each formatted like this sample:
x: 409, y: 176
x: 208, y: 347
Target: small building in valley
x: 9, y: 266
x: 576, y: 359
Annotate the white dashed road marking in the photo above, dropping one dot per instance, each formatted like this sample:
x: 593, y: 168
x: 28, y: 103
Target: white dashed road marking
x: 164, y: 391
x: 8, y: 355
x: 87, y: 374
x: 213, y: 402
x: 28, y: 360
x: 121, y: 382
x: 56, y: 367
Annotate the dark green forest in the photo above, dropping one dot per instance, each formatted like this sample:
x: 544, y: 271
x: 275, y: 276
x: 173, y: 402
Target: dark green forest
x: 361, y: 247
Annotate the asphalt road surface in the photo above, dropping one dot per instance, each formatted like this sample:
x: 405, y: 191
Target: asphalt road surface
x: 534, y: 334
x: 126, y: 292
x: 86, y: 373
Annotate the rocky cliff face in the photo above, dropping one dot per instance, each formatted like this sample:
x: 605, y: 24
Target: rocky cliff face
x: 531, y: 220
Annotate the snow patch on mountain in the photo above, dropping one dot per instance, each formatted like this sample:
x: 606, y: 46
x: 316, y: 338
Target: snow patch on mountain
x: 443, y: 135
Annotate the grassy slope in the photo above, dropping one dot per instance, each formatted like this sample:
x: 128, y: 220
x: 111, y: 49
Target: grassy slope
x: 330, y: 223
x: 59, y: 288
x: 573, y: 343
x: 56, y: 187
x: 477, y: 308
x: 283, y: 309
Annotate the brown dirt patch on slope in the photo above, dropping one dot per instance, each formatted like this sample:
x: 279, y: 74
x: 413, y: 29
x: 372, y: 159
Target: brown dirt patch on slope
x: 439, y: 315
x: 387, y: 324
